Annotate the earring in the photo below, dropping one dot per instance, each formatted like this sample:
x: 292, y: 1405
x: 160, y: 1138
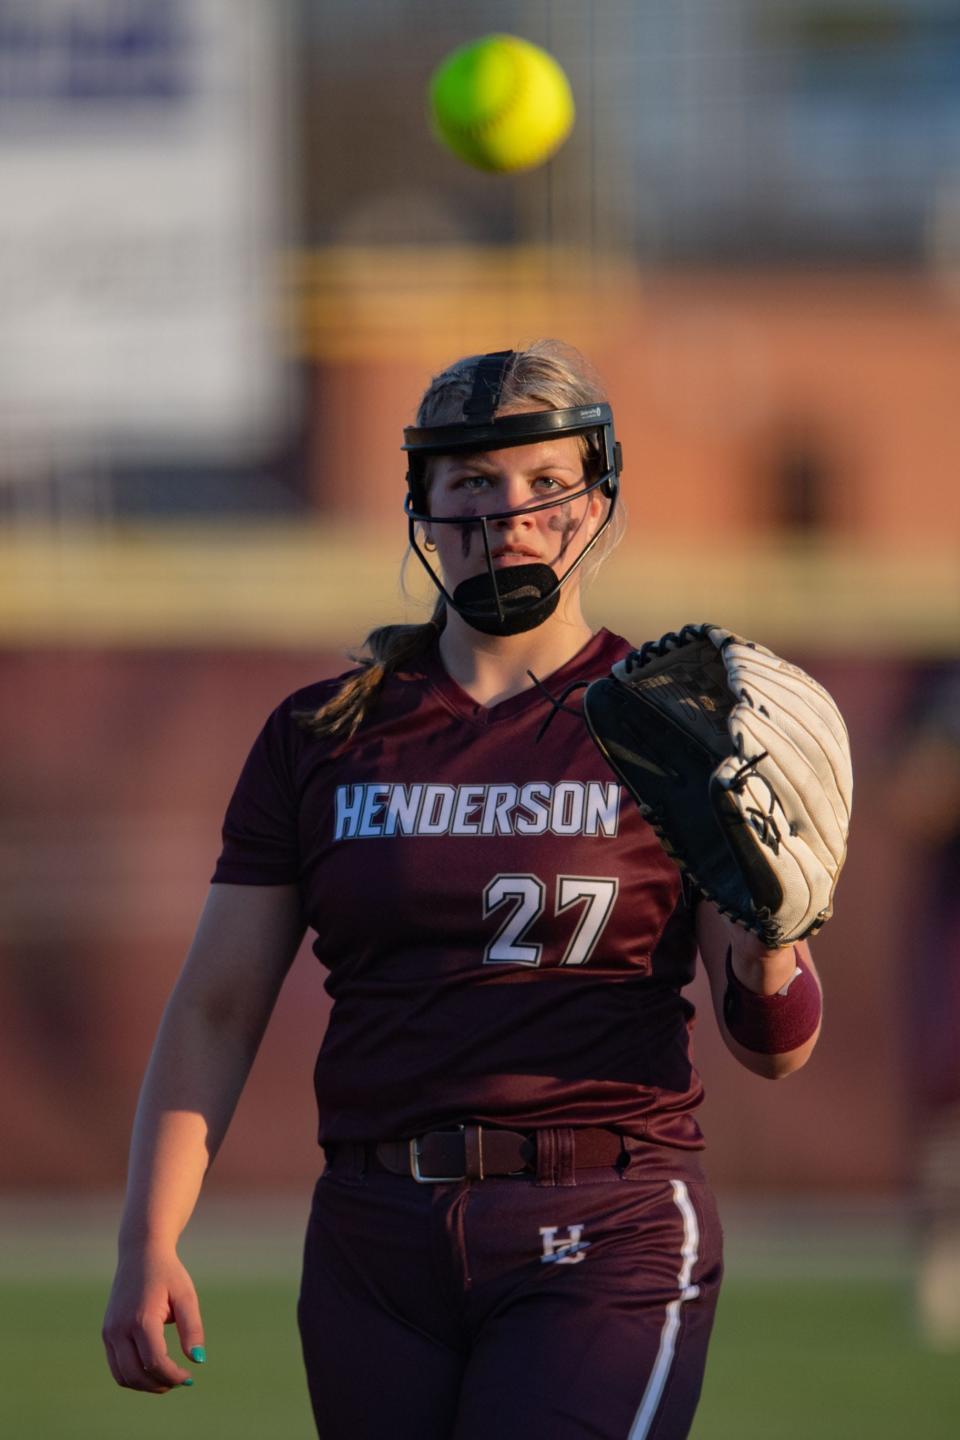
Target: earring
x: 429, y: 544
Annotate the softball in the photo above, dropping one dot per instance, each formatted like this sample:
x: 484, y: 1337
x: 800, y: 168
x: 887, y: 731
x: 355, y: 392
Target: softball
x: 501, y: 104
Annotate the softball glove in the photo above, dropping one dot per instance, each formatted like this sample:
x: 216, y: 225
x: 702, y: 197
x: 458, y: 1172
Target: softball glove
x: 741, y: 763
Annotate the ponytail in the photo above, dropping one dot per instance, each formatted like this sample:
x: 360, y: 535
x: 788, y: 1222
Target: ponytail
x: 389, y: 648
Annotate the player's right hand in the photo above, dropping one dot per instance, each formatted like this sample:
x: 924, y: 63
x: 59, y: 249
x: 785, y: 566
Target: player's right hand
x: 150, y: 1290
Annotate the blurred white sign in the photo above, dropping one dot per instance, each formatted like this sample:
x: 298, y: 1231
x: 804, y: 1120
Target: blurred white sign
x: 140, y: 220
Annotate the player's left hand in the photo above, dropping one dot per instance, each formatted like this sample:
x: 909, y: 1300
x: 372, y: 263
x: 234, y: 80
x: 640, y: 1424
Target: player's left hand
x: 741, y: 763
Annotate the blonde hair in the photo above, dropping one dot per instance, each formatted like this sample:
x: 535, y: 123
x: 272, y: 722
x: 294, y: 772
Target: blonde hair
x: 556, y: 377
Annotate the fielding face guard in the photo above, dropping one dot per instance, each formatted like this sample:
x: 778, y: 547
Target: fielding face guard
x: 519, y: 597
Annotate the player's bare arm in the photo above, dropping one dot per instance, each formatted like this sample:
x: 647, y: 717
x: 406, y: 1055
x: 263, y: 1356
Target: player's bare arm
x: 245, y: 942
x: 761, y: 972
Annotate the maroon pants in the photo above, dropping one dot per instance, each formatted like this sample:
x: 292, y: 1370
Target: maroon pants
x: 514, y: 1308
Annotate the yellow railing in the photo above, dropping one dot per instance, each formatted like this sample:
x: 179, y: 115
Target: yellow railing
x: 364, y: 302
x: 307, y: 585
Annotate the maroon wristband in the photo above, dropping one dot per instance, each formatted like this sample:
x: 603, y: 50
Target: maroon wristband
x: 772, y: 1024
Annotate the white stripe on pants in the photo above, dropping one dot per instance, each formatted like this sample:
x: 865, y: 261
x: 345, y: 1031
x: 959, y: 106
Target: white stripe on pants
x: 671, y: 1324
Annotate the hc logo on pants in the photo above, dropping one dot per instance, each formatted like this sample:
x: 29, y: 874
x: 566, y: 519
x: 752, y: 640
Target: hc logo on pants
x: 566, y: 1250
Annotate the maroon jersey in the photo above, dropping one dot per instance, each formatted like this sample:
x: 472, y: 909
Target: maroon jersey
x: 506, y: 939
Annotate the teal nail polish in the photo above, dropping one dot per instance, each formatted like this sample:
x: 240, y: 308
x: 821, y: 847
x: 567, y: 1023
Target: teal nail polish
x: 188, y: 1381
x: 198, y: 1355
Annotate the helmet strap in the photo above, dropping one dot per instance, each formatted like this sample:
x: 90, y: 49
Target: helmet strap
x: 481, y: 406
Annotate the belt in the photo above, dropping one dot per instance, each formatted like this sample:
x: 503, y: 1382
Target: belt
x: 471, y: 1152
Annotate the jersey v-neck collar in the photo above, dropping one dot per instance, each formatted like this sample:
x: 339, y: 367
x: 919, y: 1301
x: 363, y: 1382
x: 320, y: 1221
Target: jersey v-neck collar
x: 592, y: 660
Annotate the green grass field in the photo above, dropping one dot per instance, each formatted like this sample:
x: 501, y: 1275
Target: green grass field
x: 834, y: 1360
x: 812, y: 1340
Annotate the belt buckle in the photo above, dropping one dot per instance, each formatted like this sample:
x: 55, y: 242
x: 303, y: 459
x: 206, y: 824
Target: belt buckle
x: 418, y: 1174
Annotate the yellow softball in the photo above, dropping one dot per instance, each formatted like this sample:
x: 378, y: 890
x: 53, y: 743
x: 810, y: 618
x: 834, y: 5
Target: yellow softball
x: 501, y: 103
